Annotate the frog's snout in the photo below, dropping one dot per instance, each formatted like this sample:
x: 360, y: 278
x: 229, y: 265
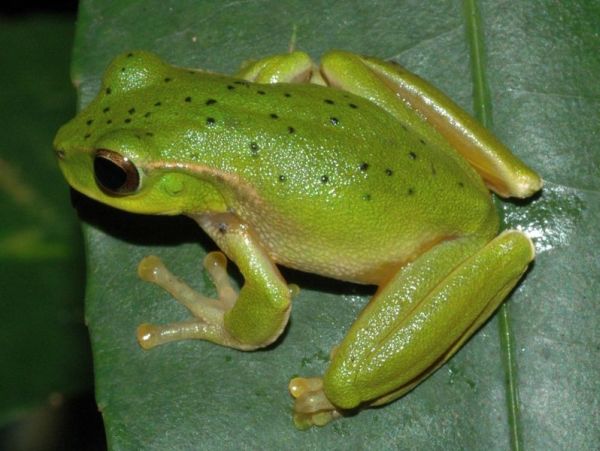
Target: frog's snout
x: 60, y: 154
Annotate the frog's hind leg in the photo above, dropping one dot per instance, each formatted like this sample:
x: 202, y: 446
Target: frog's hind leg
x: 414, y: 323
x: 385, y: 83
x: 416, y: 104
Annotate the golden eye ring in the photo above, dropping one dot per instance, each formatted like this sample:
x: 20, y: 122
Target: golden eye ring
x: 115, y: 174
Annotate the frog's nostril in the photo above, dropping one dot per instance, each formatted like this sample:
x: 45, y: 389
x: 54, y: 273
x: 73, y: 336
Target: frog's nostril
x: 60, y: 154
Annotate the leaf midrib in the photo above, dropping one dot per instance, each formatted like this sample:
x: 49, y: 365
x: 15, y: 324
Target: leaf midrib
x: 483, y: 111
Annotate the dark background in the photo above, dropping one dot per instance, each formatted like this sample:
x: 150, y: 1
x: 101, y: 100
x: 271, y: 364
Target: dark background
x: 12, y: 7
x: 75, y: 424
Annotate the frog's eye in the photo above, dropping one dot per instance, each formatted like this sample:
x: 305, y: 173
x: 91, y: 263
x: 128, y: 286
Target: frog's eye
x: 115, y: 174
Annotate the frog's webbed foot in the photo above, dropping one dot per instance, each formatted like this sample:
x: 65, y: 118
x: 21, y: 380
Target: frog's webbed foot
x: 208, y: 313
x: 311, y: 406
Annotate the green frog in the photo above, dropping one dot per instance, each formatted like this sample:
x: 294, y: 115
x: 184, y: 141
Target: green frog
x: 356, y: 170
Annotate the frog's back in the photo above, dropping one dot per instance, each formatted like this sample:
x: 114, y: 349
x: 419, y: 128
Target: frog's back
x: 341, y: 187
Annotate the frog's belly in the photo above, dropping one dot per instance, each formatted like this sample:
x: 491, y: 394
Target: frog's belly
x: 368, y: 249
x: 365, y: 270
x: 353, y: 259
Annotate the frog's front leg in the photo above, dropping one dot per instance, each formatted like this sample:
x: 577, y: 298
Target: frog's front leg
x: 251, y: 319
x: 294, y: 67
x: 416, y: 322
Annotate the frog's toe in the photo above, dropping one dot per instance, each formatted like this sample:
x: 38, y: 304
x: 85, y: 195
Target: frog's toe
x: 311, y: 407
x: 151, y: 335
x: 148, y: 335
x: 215, y: 264
x: 152, y: 269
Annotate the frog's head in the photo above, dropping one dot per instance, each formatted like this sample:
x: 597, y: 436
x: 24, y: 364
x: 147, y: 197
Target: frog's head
x: 111, y: 151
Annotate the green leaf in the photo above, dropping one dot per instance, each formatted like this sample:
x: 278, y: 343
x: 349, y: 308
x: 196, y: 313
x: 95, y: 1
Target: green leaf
x: 536, y: 74
x: 43, y: 342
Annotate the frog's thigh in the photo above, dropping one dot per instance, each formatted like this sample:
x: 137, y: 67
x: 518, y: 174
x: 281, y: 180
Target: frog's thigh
x: 422, y: 316
x: 252, y: 319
